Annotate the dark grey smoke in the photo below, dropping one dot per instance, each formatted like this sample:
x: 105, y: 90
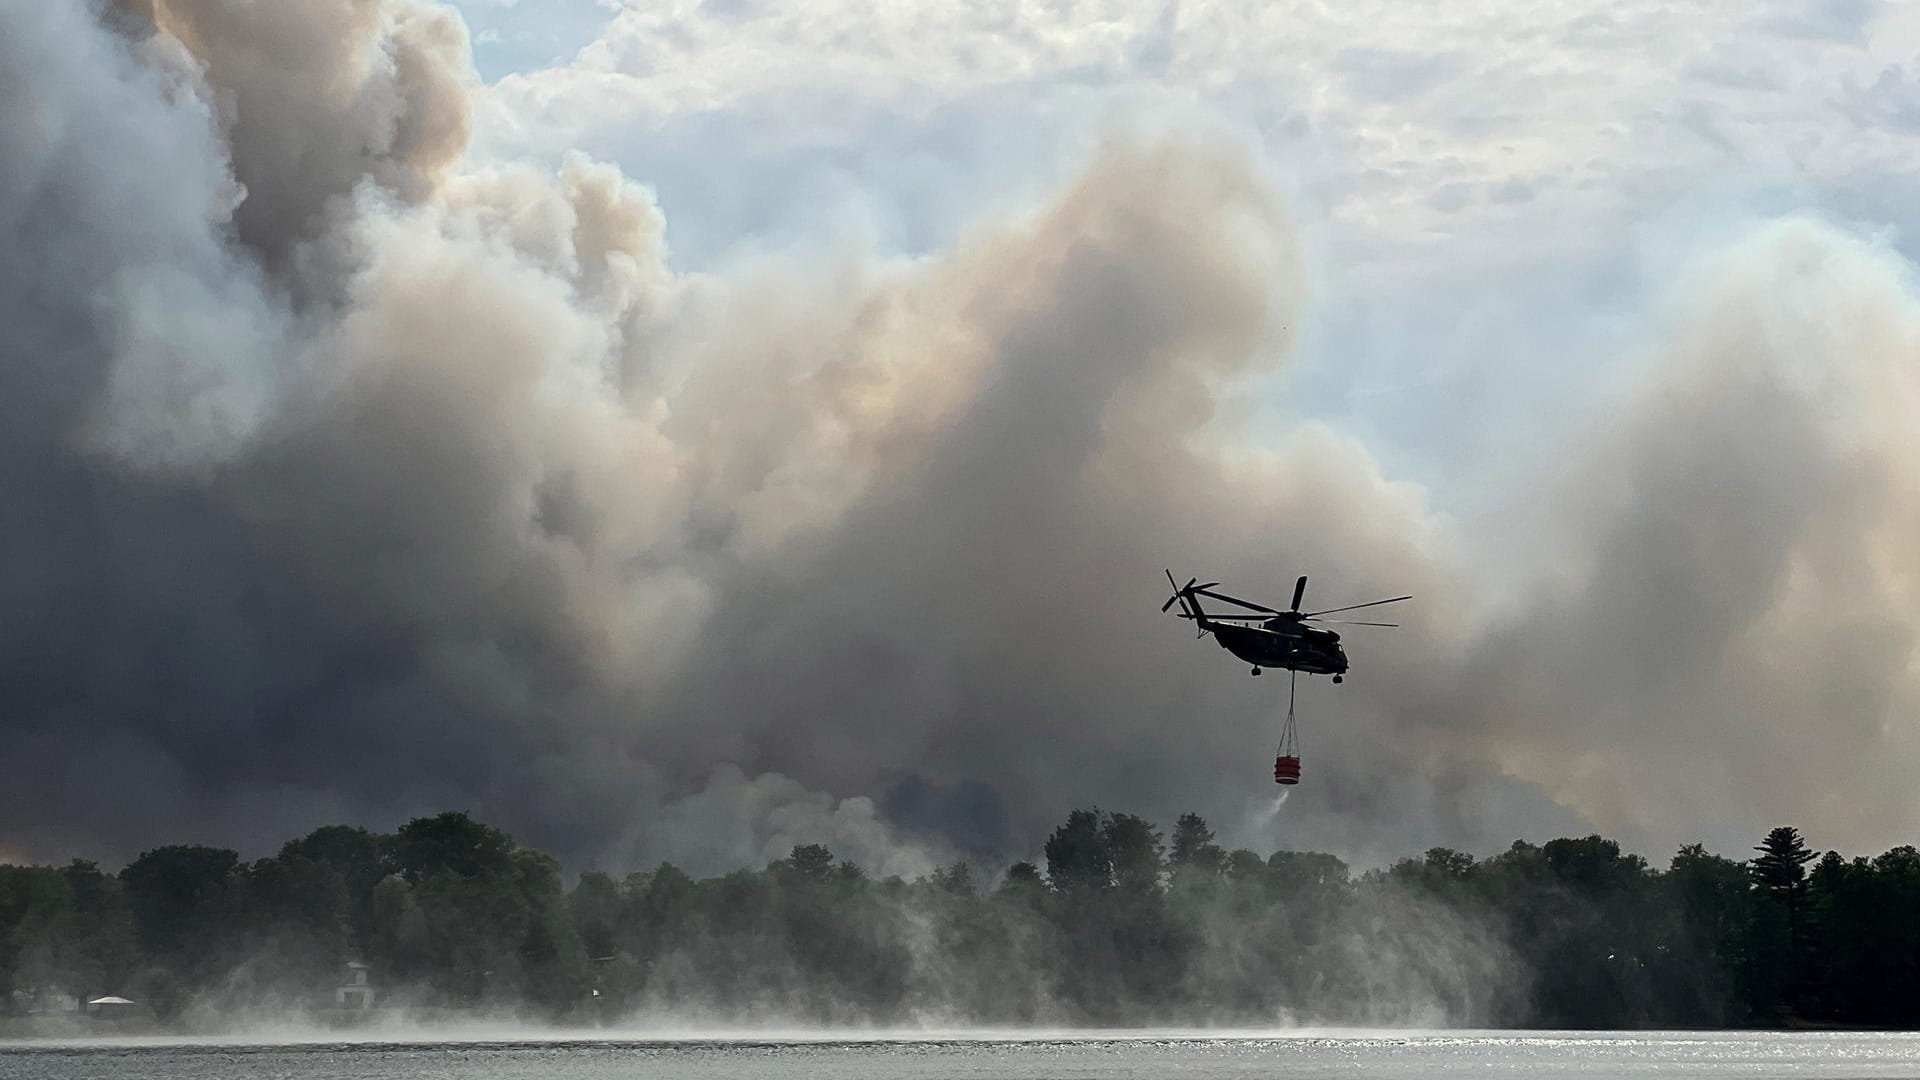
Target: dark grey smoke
x: 349, y: 479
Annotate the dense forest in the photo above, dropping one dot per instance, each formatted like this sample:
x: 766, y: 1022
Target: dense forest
x: 1124, y: 926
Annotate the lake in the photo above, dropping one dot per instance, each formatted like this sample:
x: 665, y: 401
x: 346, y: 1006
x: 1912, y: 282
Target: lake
x: 1375, y: 1054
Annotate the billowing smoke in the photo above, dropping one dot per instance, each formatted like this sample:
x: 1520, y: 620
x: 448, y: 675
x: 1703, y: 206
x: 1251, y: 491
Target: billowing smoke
x: 350, y: 478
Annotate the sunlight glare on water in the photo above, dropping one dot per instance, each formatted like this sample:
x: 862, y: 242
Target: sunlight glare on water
x: 1638, y: 1054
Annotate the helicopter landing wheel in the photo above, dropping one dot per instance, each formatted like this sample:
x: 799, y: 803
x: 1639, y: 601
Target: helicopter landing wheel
x: 1256, y: 671
x: 1337, y: 679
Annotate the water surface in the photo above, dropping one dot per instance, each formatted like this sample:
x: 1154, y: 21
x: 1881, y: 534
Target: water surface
x: 1514, y: 1054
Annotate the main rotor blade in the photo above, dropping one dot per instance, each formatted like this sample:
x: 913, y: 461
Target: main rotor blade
x: 1355, y: 607
x: 1350, y: 622
x: 1237, y: 600
x: 1299, y: 590
x: 1231, y: 618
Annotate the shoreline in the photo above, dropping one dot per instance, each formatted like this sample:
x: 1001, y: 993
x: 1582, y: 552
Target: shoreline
x: 24, y: 1033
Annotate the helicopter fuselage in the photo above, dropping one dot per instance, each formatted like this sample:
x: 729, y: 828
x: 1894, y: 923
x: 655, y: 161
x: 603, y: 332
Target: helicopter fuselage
x: 1266, y: 636
x: 1286, y: 645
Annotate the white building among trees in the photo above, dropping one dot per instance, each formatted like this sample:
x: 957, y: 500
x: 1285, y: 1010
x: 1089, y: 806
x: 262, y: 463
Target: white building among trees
x: 356, y: 989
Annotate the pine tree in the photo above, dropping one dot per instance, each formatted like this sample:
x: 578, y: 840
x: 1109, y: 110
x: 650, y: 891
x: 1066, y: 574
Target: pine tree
x: 1781, y: 867
x: 1780, y: 872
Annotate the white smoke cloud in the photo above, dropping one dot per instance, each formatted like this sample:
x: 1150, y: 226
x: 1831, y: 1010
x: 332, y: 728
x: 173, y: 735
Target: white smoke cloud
x: 433, y: 482
x: 737, y: 820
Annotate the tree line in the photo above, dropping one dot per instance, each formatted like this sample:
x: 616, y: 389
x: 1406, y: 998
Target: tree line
x: 1123, y: 926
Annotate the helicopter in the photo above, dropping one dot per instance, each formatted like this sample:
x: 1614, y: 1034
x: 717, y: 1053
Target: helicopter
x: 1272, y: 638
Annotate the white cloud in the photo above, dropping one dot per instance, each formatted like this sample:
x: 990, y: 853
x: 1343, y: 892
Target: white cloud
x: 1410, y: 123
x: 1446, y: 163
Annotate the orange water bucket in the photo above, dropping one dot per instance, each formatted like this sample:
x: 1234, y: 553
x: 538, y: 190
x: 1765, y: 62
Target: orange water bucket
x: 1286, y: 769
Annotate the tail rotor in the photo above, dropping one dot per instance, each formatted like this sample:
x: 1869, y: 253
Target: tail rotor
x: 1189, y: 607
x: 1180, y: 593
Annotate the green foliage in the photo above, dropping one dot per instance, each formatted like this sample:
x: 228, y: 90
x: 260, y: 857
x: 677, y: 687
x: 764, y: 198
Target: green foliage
x: 1121, y: 928
x: 62, y: 930
x: 182, y: 898
x: 1193, y: 852
x: 360, y: 859
x: 1781, y: 867
x: 1707, y: 906
x: 1779, y: 937
x: 451, y: 843
x: 598, y: 908
x: 1077, y: 855
x: 810, y: 864
x: 1135, y: 853
x: 1095, y: 851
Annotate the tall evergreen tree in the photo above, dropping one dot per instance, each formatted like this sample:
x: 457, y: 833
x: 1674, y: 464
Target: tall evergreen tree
x: 1780, y: 872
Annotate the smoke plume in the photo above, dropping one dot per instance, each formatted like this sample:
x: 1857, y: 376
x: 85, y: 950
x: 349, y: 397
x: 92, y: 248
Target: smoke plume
x: 349, y: 477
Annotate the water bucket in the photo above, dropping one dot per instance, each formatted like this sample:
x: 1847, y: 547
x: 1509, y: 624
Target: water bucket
x: 1286, y: 769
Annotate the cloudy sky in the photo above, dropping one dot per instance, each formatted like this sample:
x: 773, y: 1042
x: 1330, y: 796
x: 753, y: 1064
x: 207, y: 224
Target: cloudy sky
x: 1494, y: 196
x: 679, y: 430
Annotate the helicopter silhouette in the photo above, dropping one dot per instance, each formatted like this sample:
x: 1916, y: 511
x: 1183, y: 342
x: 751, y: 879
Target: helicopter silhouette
x: 1272, y: 638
